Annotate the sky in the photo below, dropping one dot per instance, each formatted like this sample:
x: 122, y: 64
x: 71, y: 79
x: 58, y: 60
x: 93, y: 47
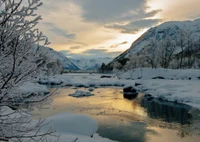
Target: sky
x: 106, y: 28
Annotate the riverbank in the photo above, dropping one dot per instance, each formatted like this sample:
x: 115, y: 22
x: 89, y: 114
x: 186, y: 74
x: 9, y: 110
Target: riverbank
x: 180, y: 86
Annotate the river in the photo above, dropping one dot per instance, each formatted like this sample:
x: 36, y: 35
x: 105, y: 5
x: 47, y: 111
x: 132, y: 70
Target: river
x: 126, y: 119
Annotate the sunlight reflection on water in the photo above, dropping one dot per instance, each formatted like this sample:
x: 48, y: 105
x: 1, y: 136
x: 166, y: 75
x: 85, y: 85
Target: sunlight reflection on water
x: 125, y: 120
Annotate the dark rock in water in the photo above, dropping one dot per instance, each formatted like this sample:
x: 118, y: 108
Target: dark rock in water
x: 148, y: 96
x: 46, y: 82
x: 198, y: 77
x: 137, y: 84
x: 91, y: 85
x: 158, y: 77
x: 80, y: 85
x: 130, y: 92
x: 130, y: 95
x: 68, y: 85
x: 106, y: 76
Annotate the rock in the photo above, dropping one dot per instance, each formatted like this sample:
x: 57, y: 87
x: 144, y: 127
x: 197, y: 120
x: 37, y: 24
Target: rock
x: 106, y: 76
x: 80, y: 93
x: 158, y: 77
x: 137, y: 84
x: 130, y: 95
x: 130, y: 88
x: 91, y: 89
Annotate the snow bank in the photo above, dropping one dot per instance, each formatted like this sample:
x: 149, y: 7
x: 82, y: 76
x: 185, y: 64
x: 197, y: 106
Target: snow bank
x: 81, y: 93
x: 160, y: 73
x: 29, y: 88
x: 187, y: 92
x: 85, y: 80
x: 50, y: 81
x: 5, y: 110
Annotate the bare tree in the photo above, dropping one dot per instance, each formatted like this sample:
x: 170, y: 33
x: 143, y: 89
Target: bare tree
x: 189, y: 51
x: 181, y: 44
x: 21, y: 58
x: 152, y: 54
x: 167, y: 48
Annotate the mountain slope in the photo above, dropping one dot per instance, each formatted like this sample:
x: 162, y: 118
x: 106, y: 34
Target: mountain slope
x: 170, y: 30
x: 66, y: 63
x: 90, y: 64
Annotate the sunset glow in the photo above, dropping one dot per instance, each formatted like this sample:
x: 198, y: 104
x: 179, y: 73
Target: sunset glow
x: 75, y: 27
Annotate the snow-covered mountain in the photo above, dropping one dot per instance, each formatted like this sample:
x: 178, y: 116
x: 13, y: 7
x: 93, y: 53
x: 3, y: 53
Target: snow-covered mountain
x: 67, y: 64
x: 171, y: 30
x: 90, y: 64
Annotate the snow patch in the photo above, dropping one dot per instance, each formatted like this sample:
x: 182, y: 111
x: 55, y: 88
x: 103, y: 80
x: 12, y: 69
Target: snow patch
x: 29, y: 88
x: 81, y: 93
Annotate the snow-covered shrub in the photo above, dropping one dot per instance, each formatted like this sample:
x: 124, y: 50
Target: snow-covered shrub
x: 21, y: 58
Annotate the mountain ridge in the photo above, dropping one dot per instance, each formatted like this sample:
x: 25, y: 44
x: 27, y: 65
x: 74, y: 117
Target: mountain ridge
x: 160, y: 32
x: 90, y: 64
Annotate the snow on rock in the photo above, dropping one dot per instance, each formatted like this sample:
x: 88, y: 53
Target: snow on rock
x: 91, y: 89
x: 130, y: 88
x: 5, y: 110
x: 81, y: 93
x: 29, y: 87
x: 73, y: 123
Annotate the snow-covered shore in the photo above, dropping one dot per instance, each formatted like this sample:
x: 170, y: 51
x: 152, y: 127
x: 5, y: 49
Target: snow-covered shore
x: 181, y: 86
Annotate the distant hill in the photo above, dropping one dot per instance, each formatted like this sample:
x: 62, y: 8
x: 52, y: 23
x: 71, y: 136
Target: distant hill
x: 90, y: 64
x: 66, y: 63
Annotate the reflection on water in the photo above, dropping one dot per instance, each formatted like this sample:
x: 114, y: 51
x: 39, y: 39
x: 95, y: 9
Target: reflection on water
x: 125, y: 119
x: 130, y: 95
x: 168, y: 111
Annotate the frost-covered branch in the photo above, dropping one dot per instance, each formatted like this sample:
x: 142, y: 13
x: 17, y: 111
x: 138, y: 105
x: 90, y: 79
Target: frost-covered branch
x: 22, y: 57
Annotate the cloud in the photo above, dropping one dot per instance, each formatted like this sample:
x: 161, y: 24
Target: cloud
x: 91, y: 53
x: 76, y: 47
x: 135, y: 26
x: 100, y: 53
x: 110, y: 11
x: 59, y: 31
x: 118, y: 44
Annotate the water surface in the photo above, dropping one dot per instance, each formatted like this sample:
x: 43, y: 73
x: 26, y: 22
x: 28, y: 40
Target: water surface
x: 127, y: 120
